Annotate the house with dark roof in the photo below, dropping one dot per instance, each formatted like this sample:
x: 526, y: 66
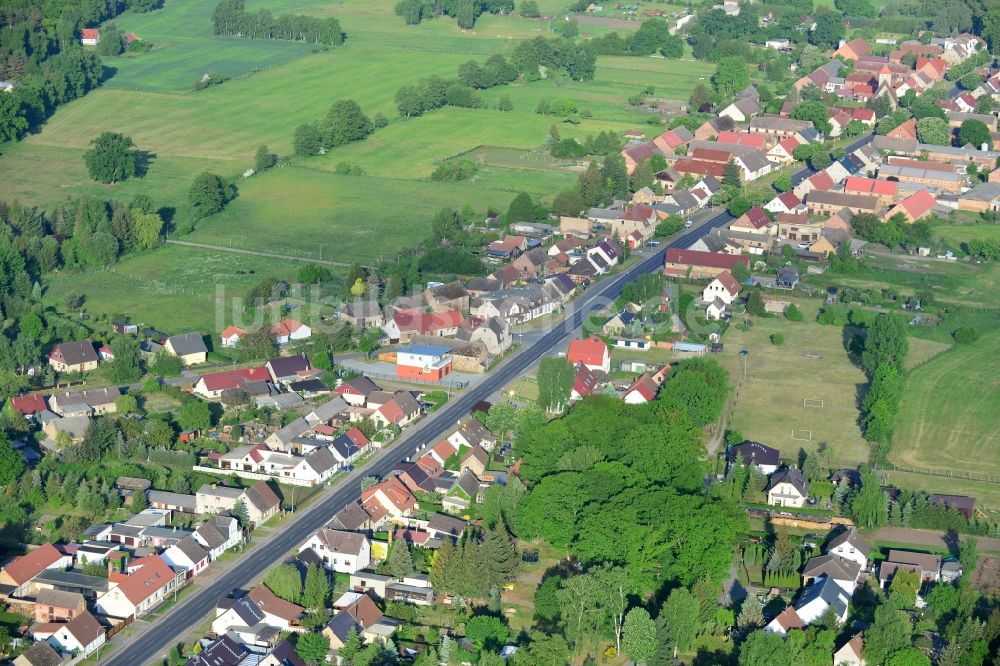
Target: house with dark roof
x: 79, y: 637
x: 787, y: 487
x: 189, y: 347
x: 286, y: 369
x: 961, y: 503
x: 844, y: 572
x: 850, y: 545
x: 78, y: 356
x: 820, y: 597
x: 767, y: 460
x: 39, y: 654
x: 187, y: 554
x: 223, y: 651
x: 343, y: 552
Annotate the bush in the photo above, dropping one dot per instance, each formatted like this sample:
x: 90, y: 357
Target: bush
x: 455, y: 171
x: 777, y: 338
x: 965, y: 335
x: 793, y: 313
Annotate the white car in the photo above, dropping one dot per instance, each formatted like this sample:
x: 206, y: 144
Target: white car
x: 688, y: 224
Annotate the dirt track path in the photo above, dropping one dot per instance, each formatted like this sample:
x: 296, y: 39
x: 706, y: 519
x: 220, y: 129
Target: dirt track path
x: 259, y: 253
x: 930, y: 538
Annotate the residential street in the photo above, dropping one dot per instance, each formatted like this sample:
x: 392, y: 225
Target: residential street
x: 172, y: 626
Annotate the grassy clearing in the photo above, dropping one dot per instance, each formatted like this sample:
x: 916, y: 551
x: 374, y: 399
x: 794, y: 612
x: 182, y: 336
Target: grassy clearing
x: 769, y: 406
x: 172, y: 288
x: 307, y: 213
x: 948, y: 412
x: 184, y: 49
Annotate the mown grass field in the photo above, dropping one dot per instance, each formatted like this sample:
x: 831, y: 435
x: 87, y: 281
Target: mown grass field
x: 948, y: 413
x: 769, y: 404
x: 307, y: 212
x: 172, y: 288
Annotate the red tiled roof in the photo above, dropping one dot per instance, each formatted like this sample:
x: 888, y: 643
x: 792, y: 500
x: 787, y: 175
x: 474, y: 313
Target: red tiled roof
x: 357, y: 437
x: 857, y: 184
x: 152, y: 575
x: 231, y: 330
x: 29, y: 565
x: 428, y: 321
x: 444, y: 449
x: 711, y: 155
x: 756, y: 217
x: 789, y: 200
x: 392, y: 412
x: 395, y: 492
x: 90, y: 33
x: 918, y: 204
x: 821, y: 181
x: 28, y: 404
x: 220, y: 381
x: 286, y: 327
x: 584, y: 381
x: 645, y: 386
x: 706, y: 259
x: 741, y: 138
x: 700, y: 167
x: 730, y: 283
x: 590, y: 351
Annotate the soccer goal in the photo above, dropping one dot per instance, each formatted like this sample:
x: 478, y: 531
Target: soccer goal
x: 802, y: 435
x: 812, y: 402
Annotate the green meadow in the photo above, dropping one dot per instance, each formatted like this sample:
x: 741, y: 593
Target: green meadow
x: 304, y: 207
x: 172, y: 288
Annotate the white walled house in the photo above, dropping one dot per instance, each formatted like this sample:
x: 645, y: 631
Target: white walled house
x: 187, y: 554
x: 150, y: 581
x: 343, y: 552
x: 79, y: 637
x: 787, y: 488
x: 724, y: 287
x: 850, y: 546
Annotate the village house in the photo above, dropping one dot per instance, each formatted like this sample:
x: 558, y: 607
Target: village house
x: 286, y: 369
x: 90, y: 36
x: 915, y: 207
x: 767, y: 460
x: 584, y: 382
x: 787, y: 487
x: 776, y: 128
x: 20, y: 571
x: 447, y: 297
x: 363, y: 314
x: 28, y: 406
x: 58, y: 606
x: 289, y: 330
x: 927, y: 565
x: 212, y: 385
x: 408, y: 323
x: 187, y: 554
x: 700, y: 265
x: 423, y: 363
x: 785, y: 203
x: 821, y: 596
x: 719, y: 293
x: 742, y: 110
x: 830, y: 203
x: 843, y: 572
x: 850, y: 653
x: 150, y: 579
x: 591, y: 352
x: 389, y: 497
x: 218, y: 534
x: 79, y: 356
x: 80, y: 637
x: 343, y: 552
x: 231, y: 335
x: 851, y: 546
x: 641, y: 391
x: 189, y: 347
x: 93, y: 402
x: 939, y: 177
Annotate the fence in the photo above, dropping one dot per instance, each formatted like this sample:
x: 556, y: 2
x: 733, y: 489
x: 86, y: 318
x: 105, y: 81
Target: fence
x: 969, y: 476
x: 254, y: 476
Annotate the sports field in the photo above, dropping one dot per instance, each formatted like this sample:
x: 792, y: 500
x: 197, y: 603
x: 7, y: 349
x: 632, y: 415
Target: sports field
x: 812, y: 366
x: 804, y: 391
x: 948, y: 414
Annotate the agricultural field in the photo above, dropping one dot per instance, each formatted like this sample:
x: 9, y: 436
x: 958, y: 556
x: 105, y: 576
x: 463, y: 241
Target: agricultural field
x: 172, y: 289
x: 811, y: 367
x: 947, y: 419
x: 305, y: 212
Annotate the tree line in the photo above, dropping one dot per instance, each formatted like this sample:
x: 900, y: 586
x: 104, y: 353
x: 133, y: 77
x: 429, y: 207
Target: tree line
x: 465, y: 12
x: 231, y: 19
x: 653, y: 36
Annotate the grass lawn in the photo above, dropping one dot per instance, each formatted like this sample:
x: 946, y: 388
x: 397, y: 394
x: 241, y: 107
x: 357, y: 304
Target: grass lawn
x: 172, y: 288
x: 769, y: 407
x: 947, y: 419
